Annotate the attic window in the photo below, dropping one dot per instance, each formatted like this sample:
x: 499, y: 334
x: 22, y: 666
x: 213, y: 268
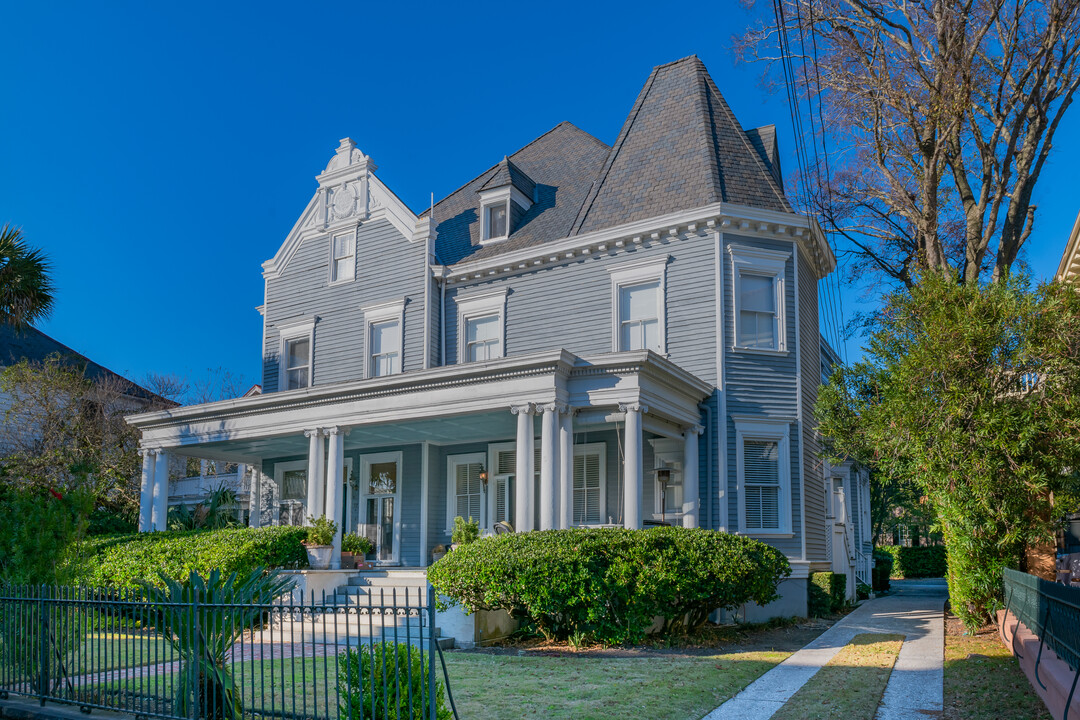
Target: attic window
x: 495, y: 221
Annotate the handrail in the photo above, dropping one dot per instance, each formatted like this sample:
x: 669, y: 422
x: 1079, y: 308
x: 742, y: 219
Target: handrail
x: 1050, y: 611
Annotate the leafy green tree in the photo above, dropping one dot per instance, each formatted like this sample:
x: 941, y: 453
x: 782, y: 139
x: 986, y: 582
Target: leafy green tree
x: 972, y: 393
x: 26, y: 289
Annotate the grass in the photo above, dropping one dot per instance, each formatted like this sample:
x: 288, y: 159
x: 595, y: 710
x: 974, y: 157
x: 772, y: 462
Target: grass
x: 983, y: 681
x: 110, y: 650
x: 851, y: 685
x: 590, y: 687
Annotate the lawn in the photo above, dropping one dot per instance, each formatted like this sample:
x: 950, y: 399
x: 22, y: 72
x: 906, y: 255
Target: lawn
x: 983, y: 681
x: 850, y: 686
x: 597, y: 686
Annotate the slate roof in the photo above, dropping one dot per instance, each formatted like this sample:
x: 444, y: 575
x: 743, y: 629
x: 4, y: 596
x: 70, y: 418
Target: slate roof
x: 508, y: 173
x: 680, y: 148
x: 562, y: 162
x: 33, y: 345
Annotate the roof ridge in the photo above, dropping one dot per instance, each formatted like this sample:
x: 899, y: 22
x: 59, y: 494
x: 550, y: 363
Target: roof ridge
x: 708, y: 118
x: 524, y: 147
x: 769, y: 178
x: 616, y: 147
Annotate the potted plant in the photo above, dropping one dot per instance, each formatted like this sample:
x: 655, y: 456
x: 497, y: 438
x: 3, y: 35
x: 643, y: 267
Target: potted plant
x: 465, y: 531
x: 438, y: 552
x: 353, y: 549
x: 320, y: 542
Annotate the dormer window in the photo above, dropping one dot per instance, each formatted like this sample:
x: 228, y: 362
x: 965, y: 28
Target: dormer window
x: 505, y: 198
x: 495, y: 221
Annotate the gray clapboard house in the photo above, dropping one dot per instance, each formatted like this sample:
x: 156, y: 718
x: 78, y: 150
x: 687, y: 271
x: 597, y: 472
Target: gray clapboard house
x: 538, y: 344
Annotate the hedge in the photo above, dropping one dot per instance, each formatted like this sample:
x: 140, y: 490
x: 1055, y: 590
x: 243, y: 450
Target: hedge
x: 123, y: 560
x: 827, y: 593
x: 609, y: 584
x: 883, y: 563
x: 917, y: 562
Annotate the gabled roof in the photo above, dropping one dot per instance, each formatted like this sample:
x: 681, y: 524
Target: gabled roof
x: 35, y: 346
x: 680, y: 148
x: 562, y: 162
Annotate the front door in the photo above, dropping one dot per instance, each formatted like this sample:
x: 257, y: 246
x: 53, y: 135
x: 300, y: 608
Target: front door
x: 381, y: 510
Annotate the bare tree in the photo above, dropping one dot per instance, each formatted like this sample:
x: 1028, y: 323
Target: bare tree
x: 941, y: 116
x: 216, y: 384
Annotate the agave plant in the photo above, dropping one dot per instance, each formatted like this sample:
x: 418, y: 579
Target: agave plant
x: 202, y: 618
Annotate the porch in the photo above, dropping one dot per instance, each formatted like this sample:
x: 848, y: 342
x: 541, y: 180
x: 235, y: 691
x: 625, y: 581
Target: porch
x: 542, y: 441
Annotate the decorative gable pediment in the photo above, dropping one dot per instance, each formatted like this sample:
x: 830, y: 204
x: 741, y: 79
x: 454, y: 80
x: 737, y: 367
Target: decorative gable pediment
x: 349, y: 195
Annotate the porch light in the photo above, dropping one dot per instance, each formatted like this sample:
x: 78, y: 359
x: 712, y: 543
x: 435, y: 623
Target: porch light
x: 483, y: 476
x: 663, y: 476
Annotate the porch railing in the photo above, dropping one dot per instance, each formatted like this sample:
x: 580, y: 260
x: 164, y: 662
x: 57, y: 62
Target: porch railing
x: 1050, y: 611
x: 376, y: 656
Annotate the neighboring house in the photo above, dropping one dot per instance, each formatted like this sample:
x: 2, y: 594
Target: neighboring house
x: 538, y: 344
x: 32, y: 345
x: 847, y: 507
x: 1069, y: 267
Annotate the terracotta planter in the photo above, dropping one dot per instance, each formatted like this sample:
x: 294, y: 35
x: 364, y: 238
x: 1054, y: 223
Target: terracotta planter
x: 318, y: 556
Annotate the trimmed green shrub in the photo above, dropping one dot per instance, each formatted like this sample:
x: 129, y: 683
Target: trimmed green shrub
x: 465, y: 531
x: 917, y: 562
x: 609, y: 584
x: 827, y: 593
x: 126, y: 560
x: 356, y: 544
x: 883, y: 562
x: 388, y: 679
x: 321, y: 531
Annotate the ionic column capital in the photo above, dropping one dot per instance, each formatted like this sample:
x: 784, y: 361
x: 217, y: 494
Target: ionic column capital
x: 633, y: 407
x: 549, y: 407
x: 336, y: 430
x: 694, y: 430
x: 523, y: 409
x: 314, y: 432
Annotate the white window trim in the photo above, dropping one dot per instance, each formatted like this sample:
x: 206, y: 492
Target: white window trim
x: 759, y: 261
x: 591, y: 449
x: 492, y: 455
x: 279, y: 478
x: 477, y: 306
x: 767, y: 429
x: 296, y: 331
x: 451, y: 490
x: 637, y: 272
x: 366, y: 461
x: 498, y: 196
x: 380, y: 313
x: 330, y: 279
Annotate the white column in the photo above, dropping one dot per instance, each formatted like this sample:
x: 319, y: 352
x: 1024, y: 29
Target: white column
x: 146, y: 490
x: 160, y: 512
x: 314, y: 506
x: 691, y: 505
x: 425, y: 513
x: 566, y: 468
x: 549, y: 465
x: 335, y: 462
x: 255, y: 497
x: 523, y: 472
x: 633, y: 465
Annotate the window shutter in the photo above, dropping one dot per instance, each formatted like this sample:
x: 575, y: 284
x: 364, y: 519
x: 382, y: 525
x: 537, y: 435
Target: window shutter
x: 469, y: 490
x: 502, y: 492
x: 587, y: 488
x: 761, y: 476
x: 506, y: 462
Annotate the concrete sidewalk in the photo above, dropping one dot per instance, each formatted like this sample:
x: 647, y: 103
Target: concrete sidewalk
x: 914, y: 610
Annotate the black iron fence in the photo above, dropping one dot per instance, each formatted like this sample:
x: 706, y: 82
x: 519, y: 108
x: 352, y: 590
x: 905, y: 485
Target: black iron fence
x: 1050, y: 611
x: 374, y: 655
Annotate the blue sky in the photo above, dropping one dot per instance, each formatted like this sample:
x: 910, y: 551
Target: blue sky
x: 159, y: 153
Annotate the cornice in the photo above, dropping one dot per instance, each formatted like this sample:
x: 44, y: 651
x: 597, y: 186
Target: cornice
x: 753, y: 222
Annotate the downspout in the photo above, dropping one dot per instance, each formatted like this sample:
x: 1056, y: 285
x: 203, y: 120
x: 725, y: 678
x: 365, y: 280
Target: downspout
x: 427, y: 297
x: 442, y: 322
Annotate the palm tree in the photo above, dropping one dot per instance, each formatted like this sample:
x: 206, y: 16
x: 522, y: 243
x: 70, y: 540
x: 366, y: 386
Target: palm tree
x: 26, y: 289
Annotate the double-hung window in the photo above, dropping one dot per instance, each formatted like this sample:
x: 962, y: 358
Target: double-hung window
x: 764, y: 474
x: 384, y: 338
x: 343, y: 257
x: 481, y: 326
x: 295, y: 354
x: 482, y: 338
x: 759, y: 298
x: 638, y: 305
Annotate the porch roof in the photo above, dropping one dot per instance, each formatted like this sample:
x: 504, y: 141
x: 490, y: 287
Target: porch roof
x: 415, y: 402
